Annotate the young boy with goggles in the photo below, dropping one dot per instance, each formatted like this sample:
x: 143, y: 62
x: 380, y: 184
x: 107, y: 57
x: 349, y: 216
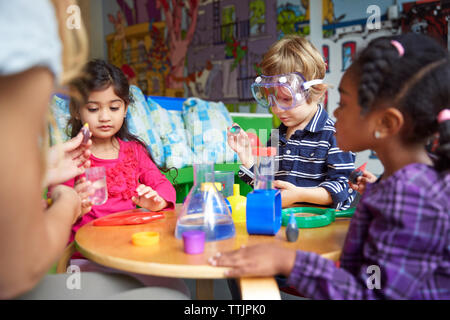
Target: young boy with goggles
x: 311, y: 168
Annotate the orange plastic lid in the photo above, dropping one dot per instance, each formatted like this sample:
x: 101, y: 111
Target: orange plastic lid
x: 265, y: 152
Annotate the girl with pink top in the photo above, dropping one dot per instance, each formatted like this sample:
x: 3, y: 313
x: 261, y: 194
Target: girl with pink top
x: 132, y: 177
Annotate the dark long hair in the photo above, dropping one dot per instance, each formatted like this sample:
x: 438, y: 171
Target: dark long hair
x: 100, y: 75
x: 417, y: 83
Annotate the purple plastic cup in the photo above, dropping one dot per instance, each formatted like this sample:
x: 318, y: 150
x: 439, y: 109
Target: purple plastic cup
x: 194, y: 241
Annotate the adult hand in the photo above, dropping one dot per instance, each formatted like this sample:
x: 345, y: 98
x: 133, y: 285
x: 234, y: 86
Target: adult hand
x: 65, y: 195
x: 83, y: 188
x: 67, y: 160
x: 362, y: 181
x: 260, y: 260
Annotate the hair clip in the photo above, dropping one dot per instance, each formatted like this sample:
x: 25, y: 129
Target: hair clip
x: 444, y: 115
x: 399, y: 47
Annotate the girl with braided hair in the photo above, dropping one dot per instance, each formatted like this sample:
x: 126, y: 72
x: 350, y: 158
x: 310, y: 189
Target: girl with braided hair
x: 394, y: 97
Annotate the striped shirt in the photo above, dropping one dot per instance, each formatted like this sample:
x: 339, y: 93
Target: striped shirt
x: 310, y: 158
x: 401, y: 228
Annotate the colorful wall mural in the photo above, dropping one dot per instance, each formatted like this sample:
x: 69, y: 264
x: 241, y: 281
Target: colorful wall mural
x: 211, y: 49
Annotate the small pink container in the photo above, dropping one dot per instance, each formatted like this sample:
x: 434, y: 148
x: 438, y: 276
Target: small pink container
x: 194, y: 241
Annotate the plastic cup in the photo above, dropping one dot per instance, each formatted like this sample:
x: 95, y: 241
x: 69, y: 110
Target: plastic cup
x: 194, y: 241
x: 226, y: 179
x: 97, y: 177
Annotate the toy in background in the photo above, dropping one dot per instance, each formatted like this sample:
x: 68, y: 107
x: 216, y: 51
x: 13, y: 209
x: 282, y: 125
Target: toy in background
x: 264, y: 202
x: 205, y: 208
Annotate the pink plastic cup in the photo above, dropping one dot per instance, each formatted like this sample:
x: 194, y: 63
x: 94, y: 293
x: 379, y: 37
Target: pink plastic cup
x: 194, y: 241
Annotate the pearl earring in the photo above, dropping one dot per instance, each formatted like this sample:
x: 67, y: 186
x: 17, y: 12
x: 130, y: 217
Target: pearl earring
x: 377, y: 134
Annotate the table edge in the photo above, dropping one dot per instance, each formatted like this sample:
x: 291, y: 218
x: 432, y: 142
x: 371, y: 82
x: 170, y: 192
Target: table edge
x: 155, y: 269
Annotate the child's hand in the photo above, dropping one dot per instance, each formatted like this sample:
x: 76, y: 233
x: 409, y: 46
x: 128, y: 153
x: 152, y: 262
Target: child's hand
x: 260, y: 260
x: 240, y: 143
x: 82, y: 187
x: 149, y: 198
x: 289, y: 192
x: 362, y: 181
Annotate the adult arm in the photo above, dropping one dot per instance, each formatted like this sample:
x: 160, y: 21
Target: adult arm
x: 35, y: 238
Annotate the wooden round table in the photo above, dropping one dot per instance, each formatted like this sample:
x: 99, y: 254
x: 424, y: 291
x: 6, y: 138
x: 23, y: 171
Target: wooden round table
x: 111, y: 246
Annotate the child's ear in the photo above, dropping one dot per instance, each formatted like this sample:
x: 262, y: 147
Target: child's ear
x: 317, y: 94
x: 389, y: 123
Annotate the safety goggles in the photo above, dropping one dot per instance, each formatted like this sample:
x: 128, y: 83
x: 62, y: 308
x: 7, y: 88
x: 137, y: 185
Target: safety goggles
x: 286, y: 91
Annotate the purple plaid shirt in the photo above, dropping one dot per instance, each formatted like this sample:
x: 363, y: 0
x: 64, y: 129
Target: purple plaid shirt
x: 402, y: 227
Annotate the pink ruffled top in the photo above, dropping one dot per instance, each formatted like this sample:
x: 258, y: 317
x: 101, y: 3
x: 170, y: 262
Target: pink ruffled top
x: 123, y: 175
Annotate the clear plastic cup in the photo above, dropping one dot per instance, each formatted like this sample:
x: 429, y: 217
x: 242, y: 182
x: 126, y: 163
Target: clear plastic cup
x: 97, y: 177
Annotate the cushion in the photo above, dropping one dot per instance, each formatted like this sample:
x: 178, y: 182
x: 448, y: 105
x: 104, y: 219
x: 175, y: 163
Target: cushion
x: 171, y: 128
x: 59, y: 109
x: 141, y: 124
x: 206, y: 124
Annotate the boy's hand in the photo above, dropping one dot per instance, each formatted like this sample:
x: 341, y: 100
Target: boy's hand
x: 82, y: 187
x: 149, y: 198
x: 240, y: 143
x: 260, y: 260
x: 289, y: 192
x: 362, y: 181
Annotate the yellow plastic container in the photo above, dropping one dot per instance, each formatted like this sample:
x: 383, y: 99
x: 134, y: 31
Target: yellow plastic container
x: 145, y: 239
x: 238, y: 205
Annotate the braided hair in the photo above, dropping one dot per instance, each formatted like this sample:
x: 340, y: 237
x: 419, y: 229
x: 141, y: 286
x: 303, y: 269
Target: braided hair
x: 415, y: 80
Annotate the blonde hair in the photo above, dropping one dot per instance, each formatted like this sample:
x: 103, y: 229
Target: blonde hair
x: 294, y: 53
x: 74, y: 56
